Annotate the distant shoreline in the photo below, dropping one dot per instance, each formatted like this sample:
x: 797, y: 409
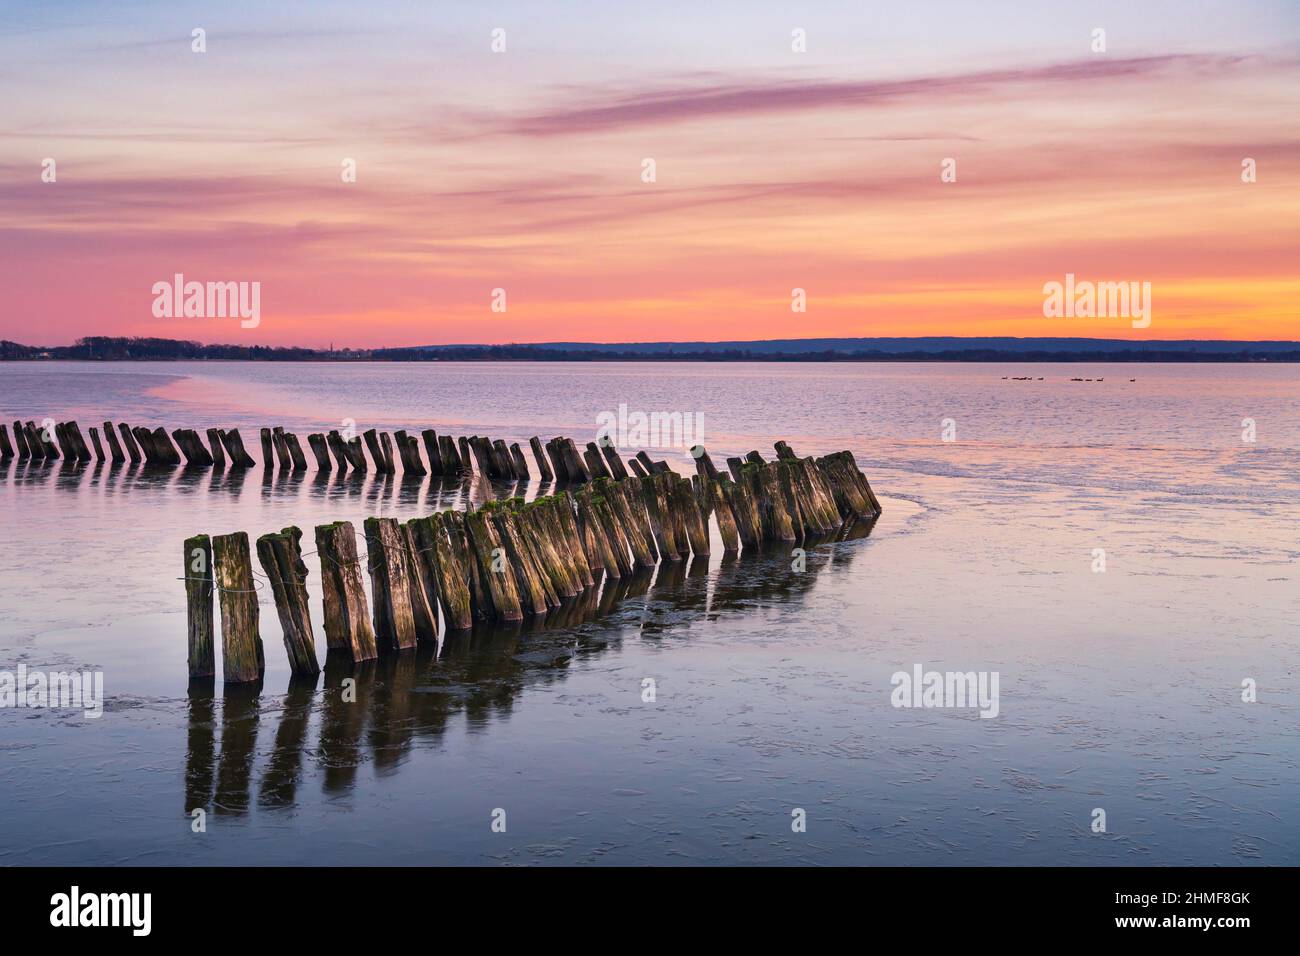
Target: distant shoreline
x: 936, y: 349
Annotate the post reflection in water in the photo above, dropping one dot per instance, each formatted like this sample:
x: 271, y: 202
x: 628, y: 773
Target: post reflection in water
x: 377, y: 711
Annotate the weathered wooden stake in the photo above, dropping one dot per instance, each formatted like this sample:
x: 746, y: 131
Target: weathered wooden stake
x: 320, y: 451
x: 198, y: 607
x: 239, y: 458
x: 114, y: 446
x: 423, y: 588
x: 347, y: 615
x: 520, y: 462
x: 242, y: 658
x: 295, y: 452
x: 216, y: 450
x: 268, y: 449
x: 281, y: 558
x: 78, y: 443
x: 616, y: 467
x: 493, y: 567
x: 128, y: 439
x: 727, y: 528
x: 543, y: 466
x: 339, y: 449
x: 94, y: 440
x: 282, y: 456
x: 697, y: 531
x: 390, y: 584
x: 20, y: 439
x: 433, y: 450
x: 704, y: 464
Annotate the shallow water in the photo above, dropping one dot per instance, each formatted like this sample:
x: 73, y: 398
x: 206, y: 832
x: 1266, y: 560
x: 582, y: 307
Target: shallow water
x: 1118, y: 690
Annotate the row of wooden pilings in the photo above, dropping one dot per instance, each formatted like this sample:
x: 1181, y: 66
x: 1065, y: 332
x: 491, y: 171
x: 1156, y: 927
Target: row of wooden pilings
x: 558, y: 460
x: 503, y: 562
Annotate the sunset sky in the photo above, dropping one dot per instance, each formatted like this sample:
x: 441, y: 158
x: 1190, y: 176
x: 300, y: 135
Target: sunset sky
x: 522, y: 170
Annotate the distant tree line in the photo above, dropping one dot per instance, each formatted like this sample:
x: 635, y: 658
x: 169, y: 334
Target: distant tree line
x: 110, y: 349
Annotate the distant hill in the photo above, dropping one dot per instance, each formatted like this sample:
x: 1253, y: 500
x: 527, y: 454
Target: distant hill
x: 934, y: 344
x: 920, y: 349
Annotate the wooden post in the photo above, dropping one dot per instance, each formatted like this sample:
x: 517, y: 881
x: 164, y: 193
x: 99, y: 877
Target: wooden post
x: 543, y: 466
x: 338, y: 448
x: 501, y: 460
x: 727, y: 528
x: 776, y: 518
x: 466, y: 462
x: 562, y: 507
x: 282, y: 456
x: 443, y: 564
x: 347, y: 616
x: 434, y: 451
x: 356, y: 454
x: 520, y: 463
x: 451, y: 461
x: 493, y: 566
x: 621, y: 512
x: 78, y: 443
x: 638, y: 469
x: 152, y: 456
x: 268, y: 450
x: 6, y: 449
x: 423, y: 587
x: 281, y: 558
x: 166, y: 449
x: 463, y: 548
x: 154, y: 453
x: 573, y: 462
x: 198, y: 606
x: 410, y: 449
x: 534, y: 591
x: 596, y: 462
x: 295, y: 452
x: 557, y: 459
x: 616, y: 467
x: 320, y: 451
x: 697, y: 532
x: 629, y: 491
x: 195, y: 454
x: 783, y: 451
x: 239, y: 458
x: 376, y: 453
x: 552, y: 544
x: 128, y: 439
x: 386, y: 445
x: 600, y: 550
x: 852, y: 491
x: 646, y: 463
x: 114, y: 446
x: 242, y: 658
x: 390, y: 584
x: 661, y: 521
x: 749, y: 524
x: 20, y: 439
x: 704, y: 464
x: 217, y: 452
x: 47, y: 446
x: 64, y: 441
x: 734, y: 465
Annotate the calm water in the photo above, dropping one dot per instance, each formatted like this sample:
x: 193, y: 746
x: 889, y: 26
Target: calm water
x: 1119, y: 690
